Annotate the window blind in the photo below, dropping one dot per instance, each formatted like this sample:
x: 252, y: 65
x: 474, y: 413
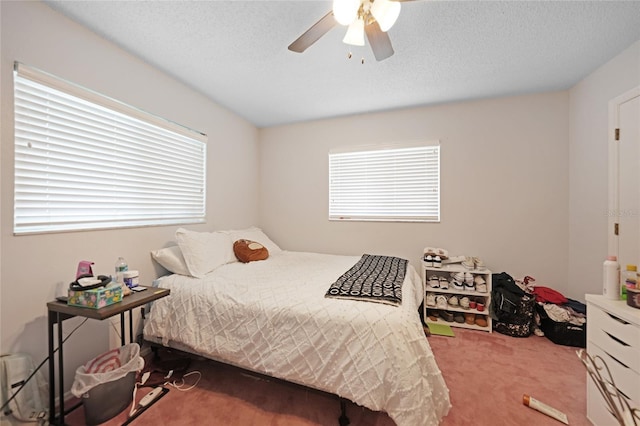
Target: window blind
x: 85, y: 161
x: 388, y: 184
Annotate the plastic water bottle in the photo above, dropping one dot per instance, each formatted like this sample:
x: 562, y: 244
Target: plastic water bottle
x: 121, y: 268
x: 611, y: 278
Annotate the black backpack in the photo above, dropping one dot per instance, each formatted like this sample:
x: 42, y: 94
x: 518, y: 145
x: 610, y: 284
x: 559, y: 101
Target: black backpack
x: 511, y: 307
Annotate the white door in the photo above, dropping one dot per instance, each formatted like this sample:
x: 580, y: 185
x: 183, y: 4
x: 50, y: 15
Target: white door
x: 626, y: 208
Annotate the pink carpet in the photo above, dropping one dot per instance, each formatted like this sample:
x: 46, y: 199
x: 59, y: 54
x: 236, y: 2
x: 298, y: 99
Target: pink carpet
x: 487, y: 374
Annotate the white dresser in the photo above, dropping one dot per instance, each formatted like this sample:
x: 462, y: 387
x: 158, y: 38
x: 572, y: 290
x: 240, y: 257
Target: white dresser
x: 613, y: 333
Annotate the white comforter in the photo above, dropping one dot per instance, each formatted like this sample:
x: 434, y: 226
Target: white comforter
x: 272, y: 317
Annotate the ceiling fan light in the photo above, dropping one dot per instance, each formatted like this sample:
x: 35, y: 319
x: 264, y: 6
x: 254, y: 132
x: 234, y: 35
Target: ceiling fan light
x: 355, y: 33
x: 386, y: 13
x: 345, y: 11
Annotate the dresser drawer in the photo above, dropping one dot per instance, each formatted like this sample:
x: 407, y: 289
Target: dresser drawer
x: 597, y: 411
x: 600, y: 320
x: 626, y: 380
x: 617, y: 348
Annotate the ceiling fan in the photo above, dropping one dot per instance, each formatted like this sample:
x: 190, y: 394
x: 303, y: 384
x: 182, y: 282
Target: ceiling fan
x: 370, y: 17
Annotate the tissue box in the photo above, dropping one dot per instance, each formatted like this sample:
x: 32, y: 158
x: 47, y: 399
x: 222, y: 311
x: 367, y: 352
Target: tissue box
x: 95, y: 298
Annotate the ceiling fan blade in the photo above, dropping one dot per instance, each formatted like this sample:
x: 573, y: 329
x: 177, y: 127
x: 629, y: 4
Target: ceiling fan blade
x: 379, y: 41
x: 312, y: 35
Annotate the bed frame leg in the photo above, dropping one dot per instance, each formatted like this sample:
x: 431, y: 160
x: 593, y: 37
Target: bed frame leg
x: 343, y: 420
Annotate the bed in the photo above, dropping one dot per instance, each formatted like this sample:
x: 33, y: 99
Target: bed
x: 272, y: 317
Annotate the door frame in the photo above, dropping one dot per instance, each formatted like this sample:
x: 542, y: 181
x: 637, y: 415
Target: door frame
x: 614, y: 175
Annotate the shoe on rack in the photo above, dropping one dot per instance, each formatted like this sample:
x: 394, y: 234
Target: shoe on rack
x: 428, y: 260
x: 472, y: 303
x: 480, y: 304
x: 444, y: 284
x: 444, y: 255
x: 481, y: 285
x: 481, y: 320
x: 458, y: 276
x: 470, y: 318
x: 431, y: 299
x: 447, y: 316
x: 479, y: 264
x: 453, y: 301
x: 464, y: 302
x: 469, y: 286
x: 433, y: 282
x: 468, y: 262
x: 432, y: 315
x: 441, y: 302
x: 468, y: 278
x: 457, y: 285
x: 458, y: 317
x: 437, y: 262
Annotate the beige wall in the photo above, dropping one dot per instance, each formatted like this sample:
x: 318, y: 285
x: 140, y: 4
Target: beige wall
x: 33, y: 266
x: 588, y: 167
x: 504, y: 186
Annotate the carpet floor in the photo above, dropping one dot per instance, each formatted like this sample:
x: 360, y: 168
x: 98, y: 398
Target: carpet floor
x: 487, y: 375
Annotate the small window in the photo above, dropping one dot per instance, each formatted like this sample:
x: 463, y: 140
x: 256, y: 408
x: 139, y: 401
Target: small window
x: 85, y: 161
x: 392, y: 183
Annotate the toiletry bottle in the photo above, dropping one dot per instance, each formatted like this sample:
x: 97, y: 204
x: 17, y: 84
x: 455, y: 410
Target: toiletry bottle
x: 611, y: 278
x: 630, y: 277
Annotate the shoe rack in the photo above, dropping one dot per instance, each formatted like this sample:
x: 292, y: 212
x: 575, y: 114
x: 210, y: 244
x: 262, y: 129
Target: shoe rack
x: 446, y: 271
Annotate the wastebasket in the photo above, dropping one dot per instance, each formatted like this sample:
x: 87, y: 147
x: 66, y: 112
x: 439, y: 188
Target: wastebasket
x: 105, y: 384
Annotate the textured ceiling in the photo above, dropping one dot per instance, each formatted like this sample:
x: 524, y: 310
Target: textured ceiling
x: 235, y: 52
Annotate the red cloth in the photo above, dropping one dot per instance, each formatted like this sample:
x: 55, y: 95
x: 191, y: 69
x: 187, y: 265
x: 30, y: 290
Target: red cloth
x: 549, y: 295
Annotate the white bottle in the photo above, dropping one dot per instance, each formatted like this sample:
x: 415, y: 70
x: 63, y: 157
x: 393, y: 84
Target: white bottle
x: 121, y: 268
x: 611, y: 278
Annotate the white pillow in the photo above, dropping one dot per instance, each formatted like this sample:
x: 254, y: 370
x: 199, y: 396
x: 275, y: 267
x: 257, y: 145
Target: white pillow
x: 254, y: 234
x: 171, y: 259
x: 204, y: 251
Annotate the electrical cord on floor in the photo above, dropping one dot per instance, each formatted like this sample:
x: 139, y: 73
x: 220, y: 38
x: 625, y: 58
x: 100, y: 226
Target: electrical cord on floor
x: 181, y: 386
x: 38, y: 368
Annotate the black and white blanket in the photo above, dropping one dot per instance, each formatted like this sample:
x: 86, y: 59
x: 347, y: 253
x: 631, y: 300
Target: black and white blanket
x: 373, y: 279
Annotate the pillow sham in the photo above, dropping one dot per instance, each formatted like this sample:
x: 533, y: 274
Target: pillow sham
x: 248, y: 251
x: 204, y: 251
x: 171, y: 259
x: 254, y: 234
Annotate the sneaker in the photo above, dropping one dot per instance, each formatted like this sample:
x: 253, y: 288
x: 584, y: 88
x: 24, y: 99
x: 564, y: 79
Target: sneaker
x: 458, y: 317
x: 457, y: 285
x: 453, y: 301
x: 480, y: 304
x: 441, y: 302
x: 428, y: 260
x: 469, y: 286
x: 437, y: 262
x: 458, y: 276
x: 468, y: 278
x: 481, y: 285
x: 433, y: 282
x: 431, y: 299
x: 464, y: 302
x: 444, y: 284
x: 468, y: 262
x: 479, y: 264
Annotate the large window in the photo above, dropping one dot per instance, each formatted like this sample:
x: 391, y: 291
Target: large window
x: 385, y: 183
x: 85, y: 161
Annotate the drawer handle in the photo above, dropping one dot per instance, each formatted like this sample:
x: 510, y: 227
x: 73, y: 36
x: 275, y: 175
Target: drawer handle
x: 620, y: 320
x: 616, y: 339
x: 616, y: 360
